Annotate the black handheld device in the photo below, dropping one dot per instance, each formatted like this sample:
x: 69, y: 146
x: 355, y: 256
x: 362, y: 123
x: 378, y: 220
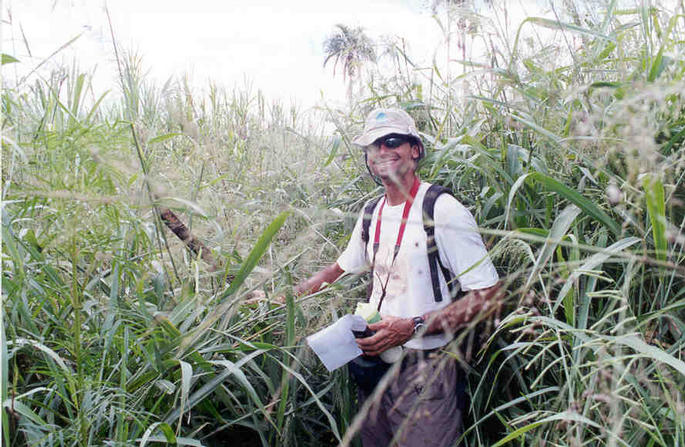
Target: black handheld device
x: 363, y: 334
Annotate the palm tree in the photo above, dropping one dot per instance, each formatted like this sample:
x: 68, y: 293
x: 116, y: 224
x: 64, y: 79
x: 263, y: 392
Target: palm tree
x: 351, y: 47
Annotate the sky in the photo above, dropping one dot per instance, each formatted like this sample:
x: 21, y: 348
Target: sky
x: 276, y: 46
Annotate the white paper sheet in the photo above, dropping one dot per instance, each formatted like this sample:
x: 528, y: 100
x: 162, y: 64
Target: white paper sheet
x: 335, y: 345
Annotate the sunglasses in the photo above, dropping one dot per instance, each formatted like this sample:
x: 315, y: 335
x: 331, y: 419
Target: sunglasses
x: 390, y: 141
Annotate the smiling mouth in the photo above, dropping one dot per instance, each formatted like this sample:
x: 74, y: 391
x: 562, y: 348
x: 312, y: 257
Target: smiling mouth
x: 385, y: 161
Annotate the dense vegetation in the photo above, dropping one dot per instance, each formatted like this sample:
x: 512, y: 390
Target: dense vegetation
x: 566, y: 145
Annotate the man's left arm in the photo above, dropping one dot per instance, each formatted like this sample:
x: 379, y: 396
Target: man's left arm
x: 462, y: 312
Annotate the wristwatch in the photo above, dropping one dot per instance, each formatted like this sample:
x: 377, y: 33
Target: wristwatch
x: 419, y: 326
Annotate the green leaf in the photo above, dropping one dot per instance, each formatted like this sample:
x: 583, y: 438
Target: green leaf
x: 593, y: 262
x: 230, y: 369
x: 331, y: 420
x: 334, y: 151
x: 3, y: 384
x: 559, y: 228
x: 247, y: 266
x: 19, y: 408
x: 177, y: 441
x: 7, y: 59
x: 160, y: 138
x: 660, y: 62
x: 649, y: 351
x: 95, y: 107
x: 256, y: 253
x: 186, y: 376
x: 164, y: 427
x: 600, y: 84
x: 49, y: 352
x: 565, y: 416
x: 554, y: 24
x: 290, y: 340
x: 512, y: 192
x: 538, y: 128
x: 656, y: 207
x: 519, y: 400
x: 658, y: 65
x: 573, y: 196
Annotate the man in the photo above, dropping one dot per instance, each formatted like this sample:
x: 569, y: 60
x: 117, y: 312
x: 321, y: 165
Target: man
x: 419, y: 406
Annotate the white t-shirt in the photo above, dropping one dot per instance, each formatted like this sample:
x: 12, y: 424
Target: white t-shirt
x: 409, y: 288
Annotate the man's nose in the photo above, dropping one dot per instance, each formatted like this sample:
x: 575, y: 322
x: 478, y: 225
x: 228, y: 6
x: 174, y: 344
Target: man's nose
x: 384, y: 148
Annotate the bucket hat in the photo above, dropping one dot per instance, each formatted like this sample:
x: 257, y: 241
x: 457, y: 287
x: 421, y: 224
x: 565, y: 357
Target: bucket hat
x: 382, y: 122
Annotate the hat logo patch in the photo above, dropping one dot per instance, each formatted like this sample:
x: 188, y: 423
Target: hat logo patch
x: 381, y: 117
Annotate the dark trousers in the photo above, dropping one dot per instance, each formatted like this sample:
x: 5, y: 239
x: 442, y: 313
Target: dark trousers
x: 421, y: 406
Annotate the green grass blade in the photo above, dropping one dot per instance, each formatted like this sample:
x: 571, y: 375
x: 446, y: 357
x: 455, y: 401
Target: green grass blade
x: 573, y: 196
x: 178, y: 440
x: 538, y: 128
x: 331, y: 420
x: 186, y: 377
x: 256, y: 254
x: 656, y: 207
x: 161, y: 138
x: 649, y: 351
x: 512, y: 193
x: 334, y: 151
x: 593, y: 262
x: 554, y: 24
x: 560, y: 226
x: 4, y: 364
x: 169, y: 435
x: 565, y: 416
x: 7, y: 59
x: 290, y: 340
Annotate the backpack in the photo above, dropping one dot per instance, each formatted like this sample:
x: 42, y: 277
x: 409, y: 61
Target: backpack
x: 431, y: 248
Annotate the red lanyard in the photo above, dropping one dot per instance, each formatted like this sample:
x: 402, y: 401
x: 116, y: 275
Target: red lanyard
x: 405, y: 213
x: 377, y: 237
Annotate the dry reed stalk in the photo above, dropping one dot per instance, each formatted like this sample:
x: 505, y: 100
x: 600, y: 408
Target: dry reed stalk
x: 183, y: 233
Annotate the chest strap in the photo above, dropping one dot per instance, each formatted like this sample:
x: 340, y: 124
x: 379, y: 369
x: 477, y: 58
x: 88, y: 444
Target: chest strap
x: 434, y: 262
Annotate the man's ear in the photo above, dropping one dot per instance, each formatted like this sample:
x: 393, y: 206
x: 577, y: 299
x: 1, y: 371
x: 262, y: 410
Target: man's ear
x: 415, y: 152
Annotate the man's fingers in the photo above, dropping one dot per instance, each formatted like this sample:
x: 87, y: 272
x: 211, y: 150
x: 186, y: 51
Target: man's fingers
x: 373, y: 343
x: 383, y: 324
x: 378, y: 326
x: 391, y: 331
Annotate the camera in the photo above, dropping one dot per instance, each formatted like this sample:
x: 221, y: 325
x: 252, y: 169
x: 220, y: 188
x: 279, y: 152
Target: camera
x: 363, y: 334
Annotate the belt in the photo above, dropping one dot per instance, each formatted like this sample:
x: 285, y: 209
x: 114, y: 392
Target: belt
x: 413, y: 356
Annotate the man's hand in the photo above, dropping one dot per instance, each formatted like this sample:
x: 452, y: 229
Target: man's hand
x: 390, y: 331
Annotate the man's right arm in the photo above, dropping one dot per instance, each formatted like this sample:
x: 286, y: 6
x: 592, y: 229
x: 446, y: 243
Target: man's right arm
x: 315, y: 282
x: 312, y: 284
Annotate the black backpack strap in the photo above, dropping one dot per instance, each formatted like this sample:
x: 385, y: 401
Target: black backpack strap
x: 431, y: 247
x: 366, y: 224
x: 366, y: 218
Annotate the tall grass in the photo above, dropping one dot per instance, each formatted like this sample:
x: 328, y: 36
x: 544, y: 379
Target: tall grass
x: 567, y: 147
x: 114, y: 333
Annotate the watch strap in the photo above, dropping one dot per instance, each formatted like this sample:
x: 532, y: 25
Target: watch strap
x: 419, y: 324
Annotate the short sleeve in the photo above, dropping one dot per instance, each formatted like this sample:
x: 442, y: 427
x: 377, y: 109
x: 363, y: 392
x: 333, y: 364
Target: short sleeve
x: 353, y: 258
x: 461, y: 246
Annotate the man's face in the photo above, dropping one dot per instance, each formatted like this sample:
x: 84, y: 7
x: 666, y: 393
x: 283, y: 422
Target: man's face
x: 392, y: 156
